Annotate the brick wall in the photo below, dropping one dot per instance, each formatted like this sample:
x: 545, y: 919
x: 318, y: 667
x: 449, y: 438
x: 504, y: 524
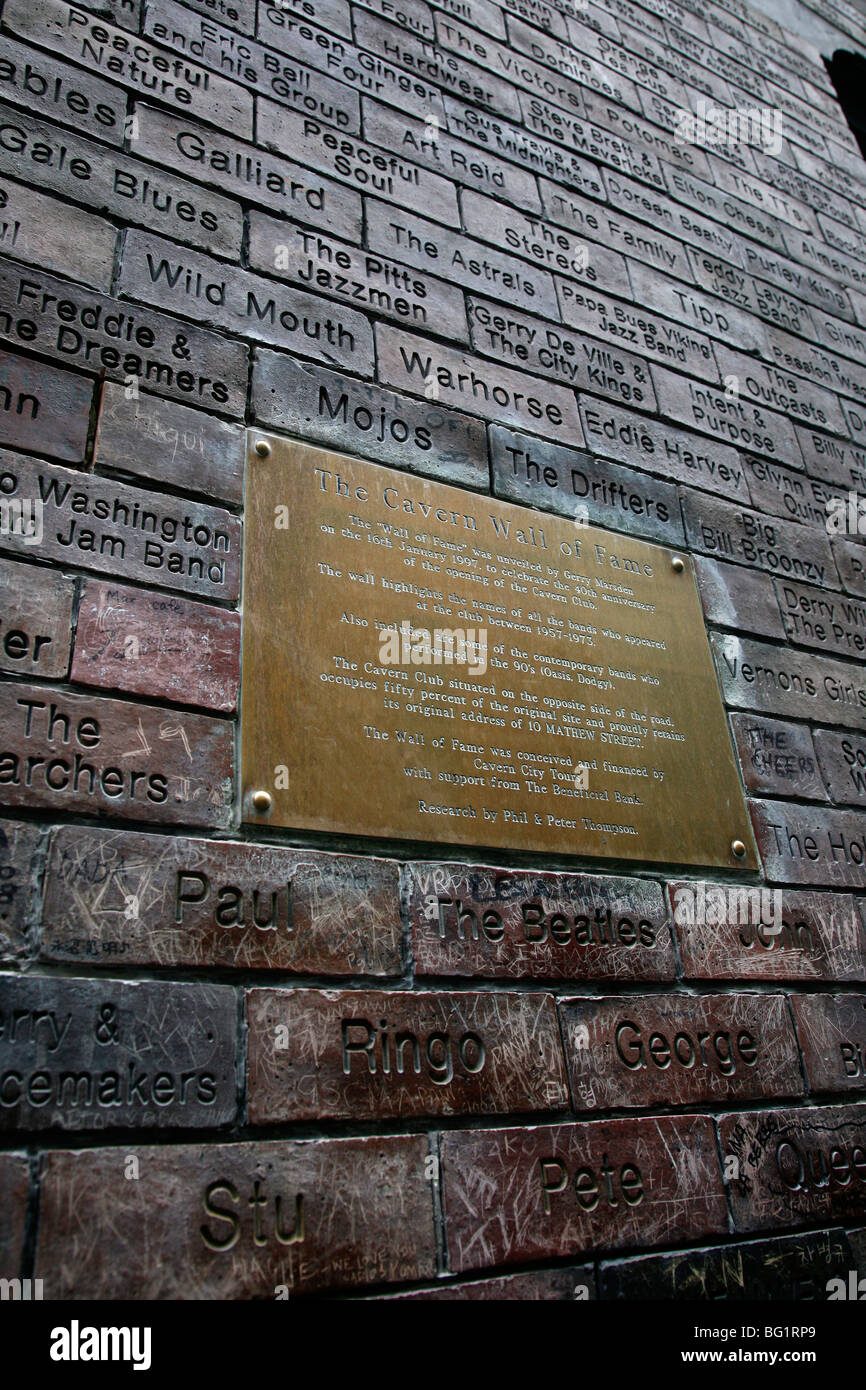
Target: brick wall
x: 236, y: 1062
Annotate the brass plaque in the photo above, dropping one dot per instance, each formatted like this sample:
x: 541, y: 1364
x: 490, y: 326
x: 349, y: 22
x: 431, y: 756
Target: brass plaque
x: 425, y: 663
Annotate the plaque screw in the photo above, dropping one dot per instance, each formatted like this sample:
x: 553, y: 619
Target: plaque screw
x: 262, y: 448
x: 262, y: 802
x: 677, y: 565
x: 737, y: 847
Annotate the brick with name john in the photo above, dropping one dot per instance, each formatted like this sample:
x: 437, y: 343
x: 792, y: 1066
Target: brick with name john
x: 246, y: 171
x: 35, y: 620
x: 109, y: 181
x: 640, y: 1050
x: 21, y: 848
x: 555, y: 1190
x: 832, y: 1033
x: 813, y: 844
x: 373, y: 283
x: 156, y: 271
x: 48, y: 87
x: 14, y: 1186
x: 261, y: 70
x: 796, y: 1167
x: 480, y: 921
x: 109, y: 757
x: 777, y: 758
x: 236, y: 1220
x: 562, y: 480
x: 202, y: 903
x: 157, y: 644
x: 170, y: 443
x: 100, y: 334
x: 125, y: 531
x: 42, y: 408
x: 471, y: 383
x: 462, y: 261
x: 779, y: 680
x: 80, y: 1054
x: 131, y: 62
x: 315, y: 1054
x: 359, y: 417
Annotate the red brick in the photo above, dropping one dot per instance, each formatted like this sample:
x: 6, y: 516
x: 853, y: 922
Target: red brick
x: 482, y: 921
x: 316, y: 1054
x: 622, y: 1182
x: 186, y: 1228
x: 14, y: 1182
x: 832, y: 1033
x: 120, y: 896
x: 822, y: 938
x: 796, y: 1167
x: 677, y: 1049
x: 147, y: 763
x: 36, y: 630
x: 810, y: 844
x: 777, y: 758
x: 157, y: 644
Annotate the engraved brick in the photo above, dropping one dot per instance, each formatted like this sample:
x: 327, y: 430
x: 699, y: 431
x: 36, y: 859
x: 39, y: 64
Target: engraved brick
x: 236, y: 1220
x: 736, y: 422
x: 100, y: 334
x: 727, y: 532
x: 423, y: 244
x: 735, y: 596
x: 498, y: 393
x: 97, y: 1054
x: 784, y: 1268
x: 850, y: 560
x: 42, y: 408
x: 20, y: 845
x: 455, y: 158
x: 597, y: 63
x: 683, y: 224
x: 684, y: 304
x: 469, y: 921
x: 759, y: 385
x: 761, y: 195
x: 170, y: 443
x: 157, y: 644
x: 377, y: 284
x: 42, y: 84
x: 777, y: 758
x: 825, y: 363
x: 711, y: 201
x: 158, y: 272
x: 612, y: 432
x: 620, y: 232
x: 807, y: 284
x: 832, y: 1033
x: 528, y: 75
x: 616, y: 321
x: 551, y: 350
x: 843, y: 764
x: 827, y: 261
x: 564, y: 480
x: 125, y: 531
x: 556, y: 1190
x: 355, y: 162
x: 658, y: 141
x: 108, y: 757
x: 315, y: 1054
x: 813, y: 844
x: 246, y: 171
x: 36, y: 627
x: 207, y: 903
x: 361, y: 418
x: 821, y: 936
x: 586, y: 138
x: 287, y: 82
x: 855, y: 419
x: 101, y: 48
x: 642, y: 1050
x: 535, y: 1286
x: 110, y: 181
x: 815, y: 618
x: 796, y: 685
x: 14, y: 1185
x: 796, y: 1167
x: 84, y: 252
x: 789, y: 493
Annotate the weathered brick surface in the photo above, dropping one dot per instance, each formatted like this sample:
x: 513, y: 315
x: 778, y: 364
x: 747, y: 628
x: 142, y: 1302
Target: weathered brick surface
x: 14, y: 1183
x: 236, y: 1220
x: 19, y: 847
x: 815, y: 845
x: 537, y: 1286
x: 777, y: 758
x: 832, y: 1033
x: 36, y: 604
x: 42, y: 408
x: 317, y: 1055
x: 641, y: 1051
